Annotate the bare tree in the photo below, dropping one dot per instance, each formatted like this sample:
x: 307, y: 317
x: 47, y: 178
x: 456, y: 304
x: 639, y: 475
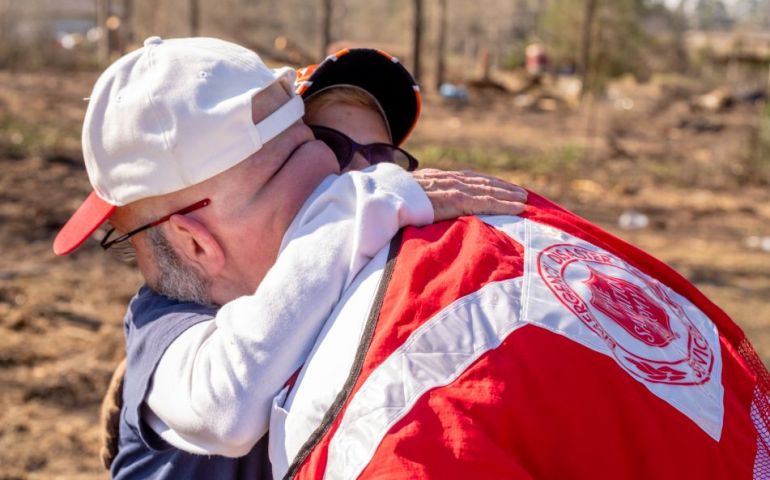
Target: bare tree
x: 441, y: 46
x: 7, y: 20
x: 325, y: 32
x: 127, y: 25
x: 102, y: 12
x: 768, y: 80
x: 585, y: 43
x: 195, y: 17
x: 417, y: 39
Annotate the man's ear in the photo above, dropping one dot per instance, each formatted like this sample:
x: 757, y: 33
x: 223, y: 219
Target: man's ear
x: 195, y: 244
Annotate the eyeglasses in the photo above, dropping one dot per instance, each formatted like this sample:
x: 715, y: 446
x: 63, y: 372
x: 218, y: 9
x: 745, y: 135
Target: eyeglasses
x: 107, y: 243
x: 345, y: 147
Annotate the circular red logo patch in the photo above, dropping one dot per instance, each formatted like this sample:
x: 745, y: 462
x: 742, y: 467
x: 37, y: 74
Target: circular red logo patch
x: 647, y: 331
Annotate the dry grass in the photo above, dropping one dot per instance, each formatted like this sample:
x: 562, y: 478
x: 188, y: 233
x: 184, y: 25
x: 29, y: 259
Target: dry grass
x: 60, y: 319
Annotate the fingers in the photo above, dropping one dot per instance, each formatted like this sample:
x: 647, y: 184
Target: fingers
x: 455, y: 203
x: 454, y: 194
x: 470, y: 182
x: 494, y: 206
x: 500, y: 191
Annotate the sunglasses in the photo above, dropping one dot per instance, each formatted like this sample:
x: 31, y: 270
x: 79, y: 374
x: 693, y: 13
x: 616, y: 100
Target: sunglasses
x: 345, y: 148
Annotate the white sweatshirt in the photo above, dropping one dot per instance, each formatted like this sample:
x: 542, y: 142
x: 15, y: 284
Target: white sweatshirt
x: 212, y: 390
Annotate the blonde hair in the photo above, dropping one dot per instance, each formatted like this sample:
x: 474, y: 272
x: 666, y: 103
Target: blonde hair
x: 347, y: 94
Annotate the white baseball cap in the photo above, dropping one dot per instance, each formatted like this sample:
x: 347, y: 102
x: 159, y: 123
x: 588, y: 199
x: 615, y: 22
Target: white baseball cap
x: 168, y: 116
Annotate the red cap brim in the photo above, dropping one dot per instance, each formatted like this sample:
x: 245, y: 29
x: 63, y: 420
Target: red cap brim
x: 91, y: 214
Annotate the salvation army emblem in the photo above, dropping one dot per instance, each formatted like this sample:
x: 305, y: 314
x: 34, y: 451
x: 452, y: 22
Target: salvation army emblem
x: 648, y: 333
x: 631, y: 308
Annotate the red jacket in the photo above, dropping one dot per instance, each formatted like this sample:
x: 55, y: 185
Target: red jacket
x: 541, y: 346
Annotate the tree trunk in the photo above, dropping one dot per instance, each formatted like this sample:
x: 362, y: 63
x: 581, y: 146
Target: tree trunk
x: 585, y: 44
x: 195, y: 17
x: 102, y: 11
x: 127, y: 24
x: 768, y: 81
x: 417, y: 40
x: 441, y: 47
x: 325, y: 35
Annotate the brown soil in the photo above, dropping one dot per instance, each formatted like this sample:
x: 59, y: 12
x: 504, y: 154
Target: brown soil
x: 60, y: 318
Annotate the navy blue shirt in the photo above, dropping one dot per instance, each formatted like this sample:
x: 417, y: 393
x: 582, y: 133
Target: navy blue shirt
x: 151, y: 324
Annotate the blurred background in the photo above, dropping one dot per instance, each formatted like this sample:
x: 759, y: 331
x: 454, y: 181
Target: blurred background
x: 648, y: 117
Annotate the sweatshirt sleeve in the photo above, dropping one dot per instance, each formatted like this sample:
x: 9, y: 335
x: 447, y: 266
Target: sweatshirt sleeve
x: 213, y: 387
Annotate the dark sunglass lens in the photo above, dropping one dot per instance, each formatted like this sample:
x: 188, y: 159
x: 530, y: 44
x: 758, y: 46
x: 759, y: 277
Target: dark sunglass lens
x: 381, y: 152
x: 337, y: 143
x: 402, y: 160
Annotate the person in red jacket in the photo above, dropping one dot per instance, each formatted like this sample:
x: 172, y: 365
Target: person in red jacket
x: 537, y: 346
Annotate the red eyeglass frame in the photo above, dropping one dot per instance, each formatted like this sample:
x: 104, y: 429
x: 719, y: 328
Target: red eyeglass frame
x: 191, y: 208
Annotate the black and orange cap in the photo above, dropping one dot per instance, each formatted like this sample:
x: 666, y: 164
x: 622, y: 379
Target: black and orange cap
x: 378, y: 73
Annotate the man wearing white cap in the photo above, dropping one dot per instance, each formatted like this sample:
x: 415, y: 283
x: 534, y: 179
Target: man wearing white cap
x: 198, y: 136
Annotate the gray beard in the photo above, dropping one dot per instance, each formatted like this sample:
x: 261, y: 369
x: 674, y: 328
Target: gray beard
x: 176, y: 279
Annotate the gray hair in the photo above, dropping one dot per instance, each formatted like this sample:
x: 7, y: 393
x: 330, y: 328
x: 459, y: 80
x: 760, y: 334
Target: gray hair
x: 176, y: 279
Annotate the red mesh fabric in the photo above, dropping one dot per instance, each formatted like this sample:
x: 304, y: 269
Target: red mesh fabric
x: 760, y: 411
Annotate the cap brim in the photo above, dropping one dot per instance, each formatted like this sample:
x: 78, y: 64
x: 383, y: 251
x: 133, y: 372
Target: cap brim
x: 379, y: 74
x: 92, y: 213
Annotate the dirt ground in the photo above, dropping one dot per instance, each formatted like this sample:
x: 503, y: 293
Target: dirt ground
x: 60, y: 318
